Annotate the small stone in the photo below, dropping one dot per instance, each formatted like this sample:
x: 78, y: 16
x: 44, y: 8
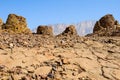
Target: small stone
x: 18, y: 67
x: 23, y: 78
x: 54, y: 68
x: 59, y: 63
x: 5, y: 78
x: 30, y: 69
x: 16, y: 77
x: 43, y: 76
x: 34, y: 76
x: 74, y: 73
x: 2, y: 47
x: 45, y: 70
x: 2, y: 67
x: 50, y: 75
x: 65, y: 61
x: 11, y: 45
x: 4, y: 53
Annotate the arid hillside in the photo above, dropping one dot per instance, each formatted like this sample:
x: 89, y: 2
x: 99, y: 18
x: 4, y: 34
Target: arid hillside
x: 36, y: 57
x: 67, y: 56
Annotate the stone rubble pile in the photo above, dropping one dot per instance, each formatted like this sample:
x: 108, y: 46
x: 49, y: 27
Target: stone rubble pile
x: 106, y: 26
x: 16, y: 24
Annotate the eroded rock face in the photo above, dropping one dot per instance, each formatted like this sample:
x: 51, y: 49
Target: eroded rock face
x: 106, y: 26
x: 16, y: 24
x: 70, y: 30
x: 45, y: 30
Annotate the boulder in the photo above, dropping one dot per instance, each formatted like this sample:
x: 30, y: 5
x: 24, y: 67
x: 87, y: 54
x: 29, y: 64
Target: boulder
x: 106, y: 26
x: 70, y: 30
x: 16, y: 24
x: 45, y: 30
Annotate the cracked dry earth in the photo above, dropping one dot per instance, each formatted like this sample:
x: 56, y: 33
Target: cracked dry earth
x: 61, y: 58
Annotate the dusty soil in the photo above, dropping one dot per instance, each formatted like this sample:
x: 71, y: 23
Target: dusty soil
x: 38, y: 57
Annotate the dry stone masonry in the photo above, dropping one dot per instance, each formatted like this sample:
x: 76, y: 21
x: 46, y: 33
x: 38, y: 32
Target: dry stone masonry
x: 69, y: 31
x: 106, y: 26
x: 45, y: 30
x: 16, y: 24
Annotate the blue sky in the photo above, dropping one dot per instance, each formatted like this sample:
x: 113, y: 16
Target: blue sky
x: 43, y: 12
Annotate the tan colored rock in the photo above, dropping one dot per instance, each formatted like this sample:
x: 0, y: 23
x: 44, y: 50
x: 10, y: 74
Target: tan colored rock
x: 1, y: 23
x: 16, y: 24
x: 45, y: 30
x: 17, y: 77
x: 5, y: 78
x: 90, y: 76
x: 107, y: 64
x: 2, y: 46
x: 43, y: 71
x: 111, y: 73
x: 106, y: 21
x: 106, y: 26
x: 30, y: 69
x: 86, y: 64
x: 70, y: 30
x: 65, y: 61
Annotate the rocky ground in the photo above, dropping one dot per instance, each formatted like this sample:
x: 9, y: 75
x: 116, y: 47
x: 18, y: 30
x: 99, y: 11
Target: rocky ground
x: 39, y: 57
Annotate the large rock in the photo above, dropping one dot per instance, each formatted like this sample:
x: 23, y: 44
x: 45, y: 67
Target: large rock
x: 16, y: 24
x: 70, y: 30
x: 45, y: 30
x: 106, y: 26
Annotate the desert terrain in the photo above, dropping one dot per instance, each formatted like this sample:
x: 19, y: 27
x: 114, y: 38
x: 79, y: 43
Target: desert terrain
x: 67, y: 56
x: 60, y: 58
